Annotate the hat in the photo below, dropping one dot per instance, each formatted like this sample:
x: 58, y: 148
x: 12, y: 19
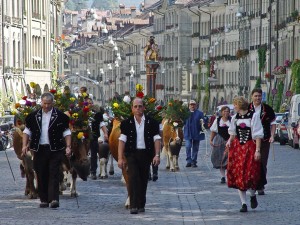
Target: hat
x: 192, y: 102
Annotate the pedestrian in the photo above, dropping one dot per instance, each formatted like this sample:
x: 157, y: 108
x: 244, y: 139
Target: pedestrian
x: 49, y: 134
x: 267, y: 117
x: 218, y: 138
x: 193, y: 134
x: 139, y: 143
x: 243, y: 169
x: 97, y: 125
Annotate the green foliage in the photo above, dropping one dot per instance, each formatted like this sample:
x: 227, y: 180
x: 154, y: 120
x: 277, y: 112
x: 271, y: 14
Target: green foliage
x: 105, y: 4
x: 258, y: 83
x: 76, y: 5
x: 262, y: 57
x: 296, y: 76
x: 279, y: 97
x: 176, y: 113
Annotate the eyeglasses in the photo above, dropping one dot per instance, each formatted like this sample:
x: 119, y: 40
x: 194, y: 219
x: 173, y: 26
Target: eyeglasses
x: 138, y: 106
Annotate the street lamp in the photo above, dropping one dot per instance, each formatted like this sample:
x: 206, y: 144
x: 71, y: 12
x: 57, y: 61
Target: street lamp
x: 131, y: 89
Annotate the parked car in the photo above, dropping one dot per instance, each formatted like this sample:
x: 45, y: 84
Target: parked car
x: 281, y: 133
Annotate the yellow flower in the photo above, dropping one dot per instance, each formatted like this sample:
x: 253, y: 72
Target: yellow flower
x: 72, y: 99
x: 14, y: 112
x: 32, y: 84
x: 75, y: 115
x: 139, y: 87
x: 80, y: 135
x: 84, y: 94
x: 116, y: 105
x: 25, y: 114
x: 151, y: 100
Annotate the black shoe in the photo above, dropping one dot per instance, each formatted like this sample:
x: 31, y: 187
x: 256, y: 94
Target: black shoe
x: 141, y: 210
x: 44, y: 205
x: 155, y: 177
x: 253, y: 202
x: 223, y: 181
x: 260, y: 192
x: 244, y: 208
x: 194, y: 165
x: 188, y: 165
x: 54, y: 204
x: 93, y: 176
x: 134, y: 211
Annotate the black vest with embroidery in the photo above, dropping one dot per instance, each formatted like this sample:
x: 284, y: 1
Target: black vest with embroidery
x: 243, y: 132
x: 223, y: 131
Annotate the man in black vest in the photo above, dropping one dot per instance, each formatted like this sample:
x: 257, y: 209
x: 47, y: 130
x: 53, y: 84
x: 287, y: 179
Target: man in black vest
x: 139, y: 142
x: 267, y: 117
x: 49, y: 134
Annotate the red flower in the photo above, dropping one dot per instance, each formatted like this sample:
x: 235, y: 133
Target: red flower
x: 159, y: 107
x: 53, y: 91
x: 86, y: 109
x: 24, y: 97
x: 72, y: 122
x: 86, y: 135
x: 140, y: 94
x: 242, y: 125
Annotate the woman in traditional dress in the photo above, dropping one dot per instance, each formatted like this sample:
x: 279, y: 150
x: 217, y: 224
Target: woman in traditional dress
x: 218, y: 138
x: 243, y: 169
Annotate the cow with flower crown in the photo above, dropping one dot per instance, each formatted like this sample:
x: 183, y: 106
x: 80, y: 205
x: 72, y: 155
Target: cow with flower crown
x: 174, y: 116
x: 122, y: 111
x: 80, y: 116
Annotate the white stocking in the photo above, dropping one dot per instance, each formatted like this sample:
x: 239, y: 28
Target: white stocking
x: 242, y: 196
x: 252, y: 192
x: 222, y: 171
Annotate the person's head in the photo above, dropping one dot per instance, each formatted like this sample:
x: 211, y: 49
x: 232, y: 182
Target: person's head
x: 83, y: 90
x: 47, y: 101
x: 67, y: 90
x: 89, y: 101
x: 225, y: 111
x: 138, y: 107
x: 240, y: 103
x: 192, y: 105
x: 256, y: 96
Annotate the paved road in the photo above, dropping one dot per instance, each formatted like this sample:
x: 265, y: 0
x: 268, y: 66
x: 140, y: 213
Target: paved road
x: 190, y: 196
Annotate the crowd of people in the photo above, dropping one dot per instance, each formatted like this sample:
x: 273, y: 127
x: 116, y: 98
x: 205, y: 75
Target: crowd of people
x: 240, y: 145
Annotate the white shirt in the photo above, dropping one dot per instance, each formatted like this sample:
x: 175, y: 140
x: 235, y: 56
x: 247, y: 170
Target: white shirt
x: 44, y: 139
x: 258, y: 110
x: 214, y: 126
x: 140, y: 142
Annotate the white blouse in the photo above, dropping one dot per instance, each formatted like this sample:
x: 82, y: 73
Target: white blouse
x: 214, y: 126
x: 257, y: 130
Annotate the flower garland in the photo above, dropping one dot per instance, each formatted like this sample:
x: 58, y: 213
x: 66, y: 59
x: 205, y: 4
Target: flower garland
x: 176, y: 113
x: 122, y: 110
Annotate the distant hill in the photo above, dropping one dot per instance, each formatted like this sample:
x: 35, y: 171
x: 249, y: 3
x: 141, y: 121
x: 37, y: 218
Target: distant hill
x: 105, y: 4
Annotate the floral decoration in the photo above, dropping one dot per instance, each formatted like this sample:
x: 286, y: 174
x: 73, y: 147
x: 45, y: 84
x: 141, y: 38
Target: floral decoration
x: 278, y: 70
x: 242, y: 125
x: 22, y: 109
x: 176, y: 113
x: 122, y: 110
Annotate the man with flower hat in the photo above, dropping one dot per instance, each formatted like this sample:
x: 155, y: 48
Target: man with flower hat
x: 49, y: 134
x: 193, y: 134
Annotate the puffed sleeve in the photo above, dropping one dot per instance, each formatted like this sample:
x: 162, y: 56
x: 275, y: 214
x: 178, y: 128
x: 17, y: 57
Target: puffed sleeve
x: 257, y: 130
x: 232, y: 127
x: 214, y: 126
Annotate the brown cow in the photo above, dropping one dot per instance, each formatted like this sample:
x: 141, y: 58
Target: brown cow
x: 172, y: 140
x: 113, y: 146
x: 26, y: 163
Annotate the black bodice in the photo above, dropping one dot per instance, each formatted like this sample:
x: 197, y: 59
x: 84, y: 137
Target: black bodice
x: 243, y: 132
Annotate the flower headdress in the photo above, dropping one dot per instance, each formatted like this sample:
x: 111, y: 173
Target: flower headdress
x: 176, y: 113
x: 122, y: 110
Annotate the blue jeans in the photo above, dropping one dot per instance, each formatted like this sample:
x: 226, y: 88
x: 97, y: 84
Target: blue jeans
x: 192, y: 148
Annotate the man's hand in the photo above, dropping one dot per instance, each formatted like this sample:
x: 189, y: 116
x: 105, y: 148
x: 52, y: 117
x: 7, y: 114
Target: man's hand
x: 156, y: 160
x: 24, y: 150
x: 121, y: 163
x: 271, y: 140
x: 68, y: 151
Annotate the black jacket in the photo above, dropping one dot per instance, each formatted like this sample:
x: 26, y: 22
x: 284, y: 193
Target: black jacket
x: 59, y: 122
x: 128, y: 129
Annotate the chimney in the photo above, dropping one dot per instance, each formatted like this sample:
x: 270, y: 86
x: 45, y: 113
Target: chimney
x: 133, y: 11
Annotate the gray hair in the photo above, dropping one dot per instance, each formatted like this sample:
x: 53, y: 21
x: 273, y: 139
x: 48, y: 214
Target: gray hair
x: 48, y: 96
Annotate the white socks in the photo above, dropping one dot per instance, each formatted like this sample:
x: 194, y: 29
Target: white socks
x: 222, y: 171
x: 242, y: 195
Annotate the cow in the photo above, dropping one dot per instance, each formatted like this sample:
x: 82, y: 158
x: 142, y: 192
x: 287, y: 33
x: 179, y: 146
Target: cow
x: 113, y: 147
x: 26, y: 163
x: 172, y: 142
x: 77, y: 165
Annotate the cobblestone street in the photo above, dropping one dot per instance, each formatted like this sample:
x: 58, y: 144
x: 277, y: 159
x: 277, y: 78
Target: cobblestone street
x: 190, y: 196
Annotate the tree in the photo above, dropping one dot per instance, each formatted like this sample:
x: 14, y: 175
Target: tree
x: 105, y: 4
x: 76, y: 5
